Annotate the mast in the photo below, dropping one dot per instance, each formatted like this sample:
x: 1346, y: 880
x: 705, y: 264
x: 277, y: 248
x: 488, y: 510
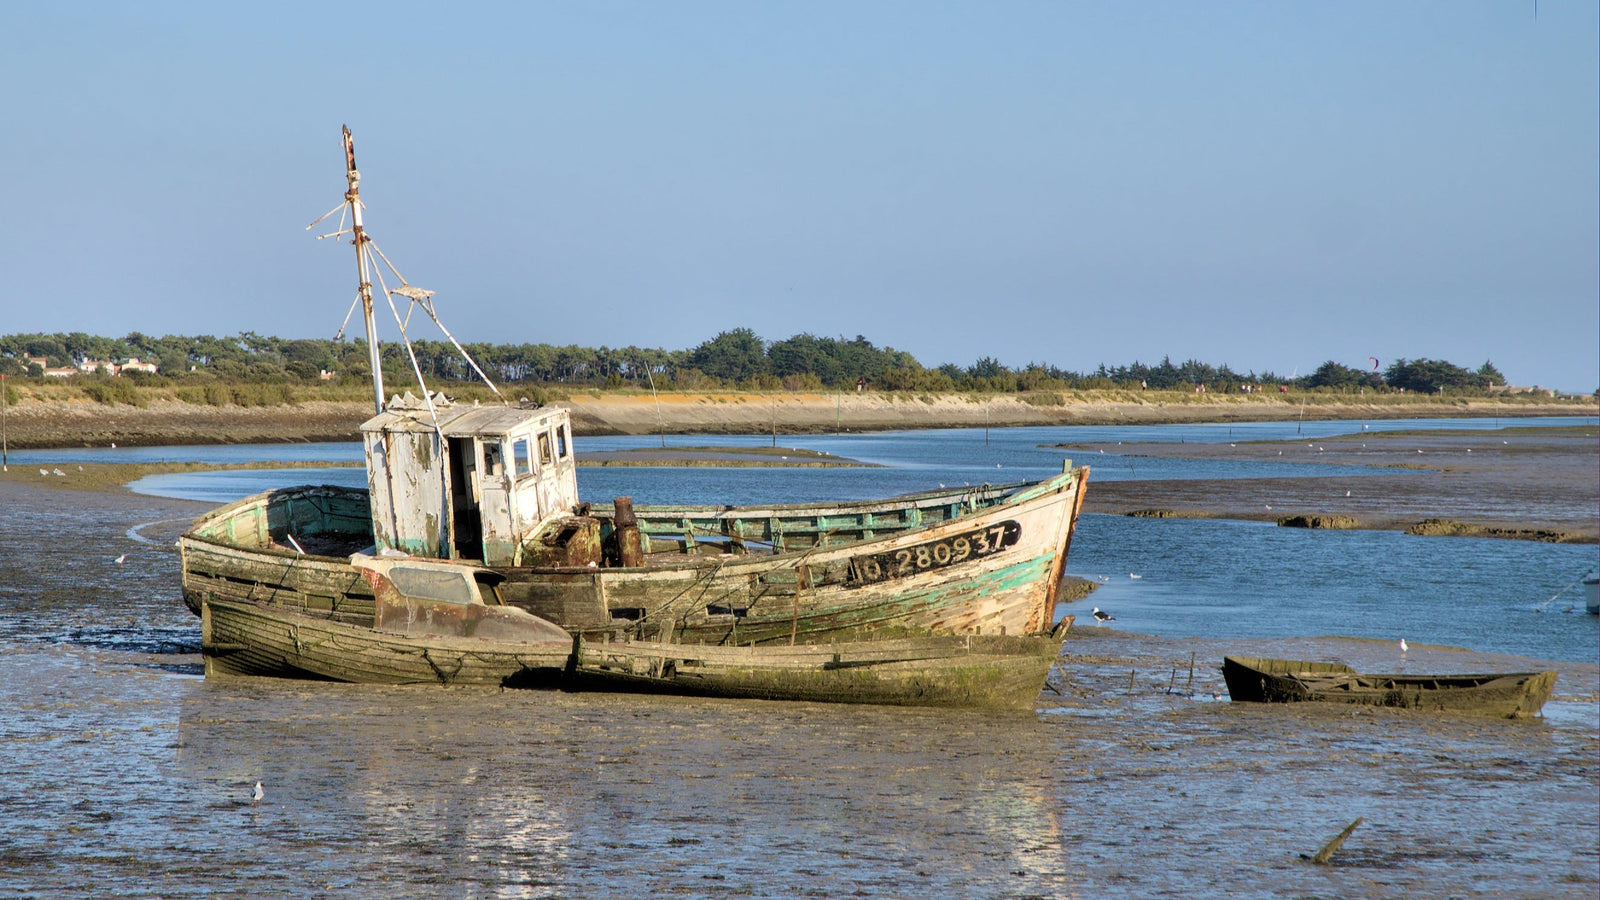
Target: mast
x: 352, y: 201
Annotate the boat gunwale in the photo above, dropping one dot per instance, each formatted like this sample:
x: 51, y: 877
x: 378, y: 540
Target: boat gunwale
x: 1022, y: 493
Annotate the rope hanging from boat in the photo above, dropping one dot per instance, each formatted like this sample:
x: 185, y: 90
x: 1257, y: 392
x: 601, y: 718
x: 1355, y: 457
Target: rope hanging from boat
x: 1541, y: 607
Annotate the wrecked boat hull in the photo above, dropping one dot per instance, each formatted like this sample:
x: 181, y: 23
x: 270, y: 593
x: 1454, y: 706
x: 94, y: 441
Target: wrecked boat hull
x: 1508, y: 695
x: 258, y: 638
x: 995, y: 569
x: 979, y: 672
x: 974, y: 672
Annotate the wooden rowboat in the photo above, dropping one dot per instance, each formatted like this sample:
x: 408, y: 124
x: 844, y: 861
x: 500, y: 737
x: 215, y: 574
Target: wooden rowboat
x: 1501, y: 695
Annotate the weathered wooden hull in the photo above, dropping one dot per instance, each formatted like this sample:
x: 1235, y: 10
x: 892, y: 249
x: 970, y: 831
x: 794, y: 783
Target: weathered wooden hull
x: 933, y: 563
x: 258, y: 638
x: 985, y: 672
x: 1501, y: 695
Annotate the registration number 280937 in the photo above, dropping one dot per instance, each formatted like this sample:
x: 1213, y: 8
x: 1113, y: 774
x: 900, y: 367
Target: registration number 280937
x: 930, y: 555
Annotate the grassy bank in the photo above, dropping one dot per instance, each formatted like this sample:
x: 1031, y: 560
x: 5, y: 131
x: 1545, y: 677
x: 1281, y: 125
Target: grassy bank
x: 42, y: 414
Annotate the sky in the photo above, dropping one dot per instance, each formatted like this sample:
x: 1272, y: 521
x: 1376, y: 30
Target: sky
x: 1264, y: 185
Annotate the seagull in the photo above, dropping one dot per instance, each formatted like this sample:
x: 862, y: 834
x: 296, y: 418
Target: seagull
x: 122, y: 559
x: 1347, y: 493
x: 1135, y: 577
x: 113, y: 445
x: 1103, y: 617
x: 59, y: 472
x: 44, y: 471
x: 1269, y: 506
x: 1403, y: 647
x: 258, y: 795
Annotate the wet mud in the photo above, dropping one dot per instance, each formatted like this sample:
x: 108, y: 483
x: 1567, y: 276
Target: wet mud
x: 128, y: 774
x: 1523, y: 481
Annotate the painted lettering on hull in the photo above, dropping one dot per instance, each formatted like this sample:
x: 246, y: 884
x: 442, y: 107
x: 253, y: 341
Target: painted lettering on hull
x: 930, y: 555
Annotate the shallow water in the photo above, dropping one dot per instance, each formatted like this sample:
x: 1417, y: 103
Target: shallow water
x: 127, y: 774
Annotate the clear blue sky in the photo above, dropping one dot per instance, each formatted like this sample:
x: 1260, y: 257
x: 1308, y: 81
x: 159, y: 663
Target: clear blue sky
x: 1267, y: 185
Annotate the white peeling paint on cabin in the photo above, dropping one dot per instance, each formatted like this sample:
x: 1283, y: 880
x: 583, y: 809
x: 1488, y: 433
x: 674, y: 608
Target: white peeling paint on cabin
x: 475, y: 486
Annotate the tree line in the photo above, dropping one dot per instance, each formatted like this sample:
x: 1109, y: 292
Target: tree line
x: 734, y: 358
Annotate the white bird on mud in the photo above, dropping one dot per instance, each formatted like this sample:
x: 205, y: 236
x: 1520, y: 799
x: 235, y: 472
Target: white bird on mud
x: 258, y: 795
x: 122, y: 559
x: 1135, y: 577
x: 44, y: 471
x: 1101, y: 616
x: 59, y: 472
x: 1403, y: 647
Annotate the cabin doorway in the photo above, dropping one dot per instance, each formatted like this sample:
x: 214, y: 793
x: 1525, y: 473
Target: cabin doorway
x: 466, y: 524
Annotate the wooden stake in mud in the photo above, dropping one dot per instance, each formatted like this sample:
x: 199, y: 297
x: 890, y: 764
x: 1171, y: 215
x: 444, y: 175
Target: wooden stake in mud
x: 1191, y: 673
x: 1130, y: 681
x: 1329, y: 849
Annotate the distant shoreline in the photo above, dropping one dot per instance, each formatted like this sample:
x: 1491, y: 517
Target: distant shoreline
x: 48, y: 424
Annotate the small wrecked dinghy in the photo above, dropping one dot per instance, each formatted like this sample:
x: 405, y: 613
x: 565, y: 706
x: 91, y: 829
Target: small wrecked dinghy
x: 1506, y: 695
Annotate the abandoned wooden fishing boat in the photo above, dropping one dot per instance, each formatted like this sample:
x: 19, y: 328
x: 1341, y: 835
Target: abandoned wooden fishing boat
x: 493, y: 490
x: 445, y: 623
x: 1502, y: 695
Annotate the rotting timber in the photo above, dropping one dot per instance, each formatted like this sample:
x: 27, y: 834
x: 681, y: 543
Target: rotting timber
x: 918, y: 589
x: 1509, y: 695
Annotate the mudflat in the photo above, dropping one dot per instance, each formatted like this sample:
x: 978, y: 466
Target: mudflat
x: 1532, y: 483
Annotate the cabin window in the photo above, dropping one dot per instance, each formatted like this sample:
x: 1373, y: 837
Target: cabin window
x: 561, y: 443
x: 431, y: 584
x: 545, y: 458
x: 521, y: 457
x: 494, y: 459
